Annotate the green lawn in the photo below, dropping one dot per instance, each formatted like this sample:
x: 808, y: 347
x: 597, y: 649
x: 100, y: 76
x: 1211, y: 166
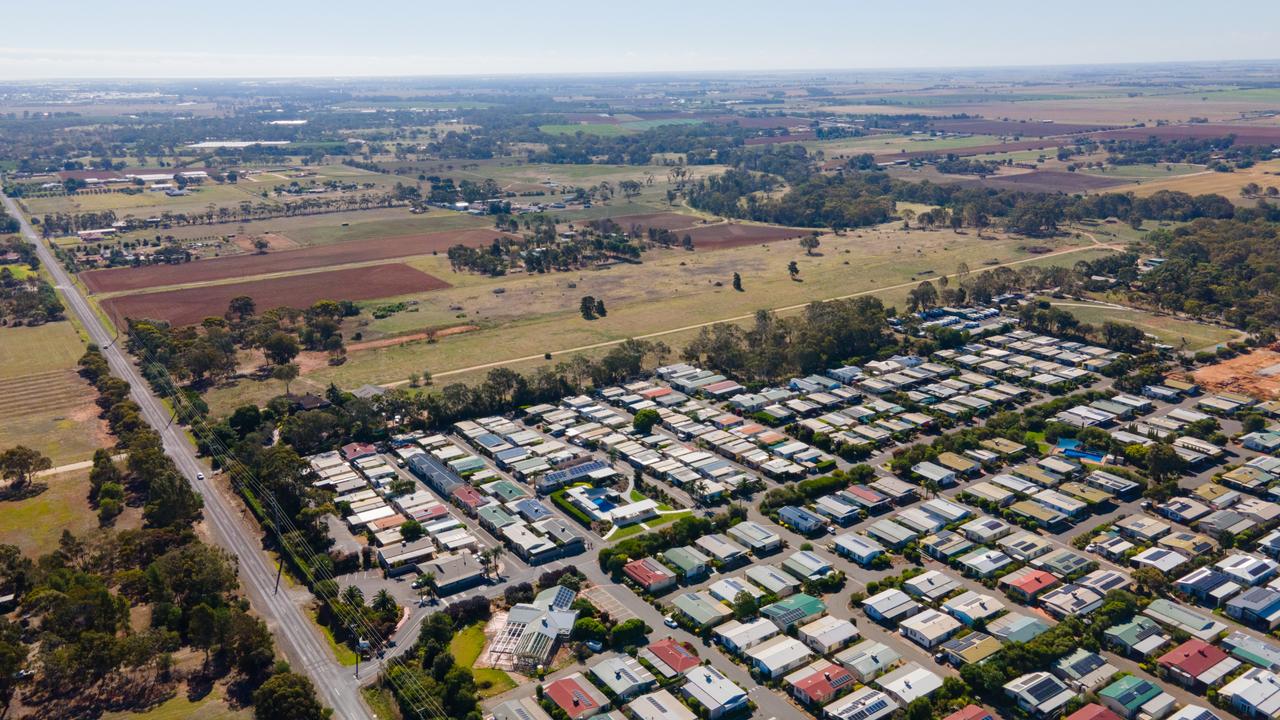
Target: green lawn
x: 210, y: 707
x: 600, y: 129
x: 343, y: 654
x: 466, y: 646
x: 669, y: 517
x: 34, y: 524
x: 27, y: 350
x: 1182, y: 334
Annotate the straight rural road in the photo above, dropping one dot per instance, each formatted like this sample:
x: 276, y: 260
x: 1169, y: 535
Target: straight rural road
x: 739, y: 318
x: 296, y: 634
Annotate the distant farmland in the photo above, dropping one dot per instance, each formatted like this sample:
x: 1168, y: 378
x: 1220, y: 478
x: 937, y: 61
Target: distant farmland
x: 184, y: 307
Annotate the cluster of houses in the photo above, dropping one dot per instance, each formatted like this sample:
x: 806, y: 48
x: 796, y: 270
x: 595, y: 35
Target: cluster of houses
x: 1039, y: 361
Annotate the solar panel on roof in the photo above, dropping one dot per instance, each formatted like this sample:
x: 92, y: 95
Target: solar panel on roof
x: 1043, y: 689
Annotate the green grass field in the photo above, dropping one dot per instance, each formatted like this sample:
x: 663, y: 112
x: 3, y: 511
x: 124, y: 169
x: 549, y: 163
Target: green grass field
x: 210, y: 707
x: 34, y: 524
x: 466, y: 646
x: 26, y: 350
x: 1182, y: 334
x: 601, y: 129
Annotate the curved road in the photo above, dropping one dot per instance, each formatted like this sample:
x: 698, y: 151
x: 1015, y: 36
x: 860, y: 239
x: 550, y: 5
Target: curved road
x: 297, y: 635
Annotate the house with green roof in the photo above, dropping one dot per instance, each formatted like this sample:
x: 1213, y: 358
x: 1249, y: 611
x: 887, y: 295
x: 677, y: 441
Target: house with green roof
x: 505, y: 491
x: 701, y: 608
x: 1132, y: 696
x: 793, y: 610
x: 1140, y: 637
x: 494, y: 517
x: 689, y: 562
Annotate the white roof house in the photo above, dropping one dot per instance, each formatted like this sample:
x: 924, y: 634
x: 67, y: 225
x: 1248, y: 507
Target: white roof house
x: 715, y: 692
x: 1039, y: 693
x: 828, y: 634
x: 779, y: 656
x: 890, y: 605
x: 739, y: 637
x: 1255, y: 693
x: 1249, y: 570
x: 660, y: 705
x: 909, y: 682
x: 868, y: 659
x: 929, y: 628
x: 1161, y: 559
x: 624, y: 675
x: 971, y: 607
x: 931, y: 585
x: 865, y: 704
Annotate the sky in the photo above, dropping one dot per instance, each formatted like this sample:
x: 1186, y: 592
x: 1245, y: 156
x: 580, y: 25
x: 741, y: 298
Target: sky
x: 286, y: 38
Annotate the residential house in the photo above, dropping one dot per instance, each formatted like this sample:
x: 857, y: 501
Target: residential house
x: 716, y: 693
x: 576, y: 696
x: 1197, y: 665
x: 1039, y: 694
x: 868, y: 659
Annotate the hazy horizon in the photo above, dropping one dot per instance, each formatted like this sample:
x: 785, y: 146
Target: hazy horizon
x: 238, y: 39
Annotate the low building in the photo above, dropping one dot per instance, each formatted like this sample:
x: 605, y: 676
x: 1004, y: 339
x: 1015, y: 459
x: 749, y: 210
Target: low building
x: 713, y: 691
x: 1257, y: 607
x: 779, y: 656
x: 795, y: 610
x: 828, y: 634
x: 972, y: 607
x: 701, y: 609
x: 972, y: 648
x: 858, y: 548
x: 931, y: 585
x: 756, y: 537
x: 1039, y: 694
x: 1133, y: 697
x: 650, y: 574
x: 889, y: 606
x: 1139, y: 637
x: 985, y: 563
x: 659, y: 705
x: 865, y: 704
x: 909, y: 682
x: 624, y: 676
x: 1084, y: 670
x: 1197, y: 665
x: 1016, y: 627
x: 929, y: 628
x: 1027, y: 583
x: 819, y: 682
x: 1071, y: 600
x: 1255, y: 694
x: 669, y: 658
x: 1175, y: 616
x: 739, y: 637
x: 576, y: 696
x: 525, y: 708
x: 1092, y: 711
x: 868, y: 659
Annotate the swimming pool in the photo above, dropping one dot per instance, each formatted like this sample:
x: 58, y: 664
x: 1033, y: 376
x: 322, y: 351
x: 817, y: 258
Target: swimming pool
x: 1071, y: 448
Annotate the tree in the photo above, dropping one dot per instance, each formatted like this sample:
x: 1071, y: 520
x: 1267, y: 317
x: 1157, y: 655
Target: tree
x: 737, y: 282
x: 1151, y: 580
x: 600, y: 311
x: 744, y: 605
x: 411, y: 531
x: 281, y: 348
x: 287, y: 372
x: 241, y: 307
x: 587, y: 306
x: 810, y: 243
x: 1163, y: 463
x: 645, y: 420
x: 20, y: 464
x: 793, y: 269
x: 287, y: 696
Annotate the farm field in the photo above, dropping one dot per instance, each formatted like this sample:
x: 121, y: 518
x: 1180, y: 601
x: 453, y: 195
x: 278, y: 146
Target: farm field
x: 183, y: 307
x: 127, y: 278
x: 1181, y: 334
x: 1226, y: 184
x: 672, y: 289
x: 601, y: 129
x: 1145, y: 171
x: 44, y: 404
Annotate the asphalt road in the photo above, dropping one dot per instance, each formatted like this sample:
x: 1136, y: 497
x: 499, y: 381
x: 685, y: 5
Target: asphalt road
x: 294, y: 631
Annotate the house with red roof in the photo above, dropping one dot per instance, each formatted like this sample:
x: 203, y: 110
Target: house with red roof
x: 970, y: 712
x: 669, y: 658
x: 576, y: 696
x: 1092, y: 711
x: 356, y: 450
x: 650, y: 574
x: 1028, y: 582
x: 1196, y: 664
x: 468, y: 498
x: 820, y: 682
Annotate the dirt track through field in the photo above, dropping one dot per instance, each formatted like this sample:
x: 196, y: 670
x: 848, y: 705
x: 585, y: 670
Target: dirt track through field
x: 241, y: 266
x: 183, y: 307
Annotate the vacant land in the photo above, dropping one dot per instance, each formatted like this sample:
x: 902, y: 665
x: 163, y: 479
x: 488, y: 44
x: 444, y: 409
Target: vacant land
x: 183, y: 307
x: 1227, y: 184
x: 1052, y: 181
x: 1181, y: 334
x: 1145, y: 171
x: 34, y: 524
x: 125, y: 278
x: 466, y: 646
x: 44, y: 404
x: 1244, y: 134
x: 733, y: 234
x: 1256, y: 374
x: 672, y: 289
x: 213, y: 706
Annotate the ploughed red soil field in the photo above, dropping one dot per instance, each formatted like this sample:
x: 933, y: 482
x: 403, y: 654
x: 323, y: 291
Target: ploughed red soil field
x: 980, y: 126
x: 1245, y: 134
x: 730, y: 235
x: 117, y: 279
x: 187, y: 306
x: 1053, y: 181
